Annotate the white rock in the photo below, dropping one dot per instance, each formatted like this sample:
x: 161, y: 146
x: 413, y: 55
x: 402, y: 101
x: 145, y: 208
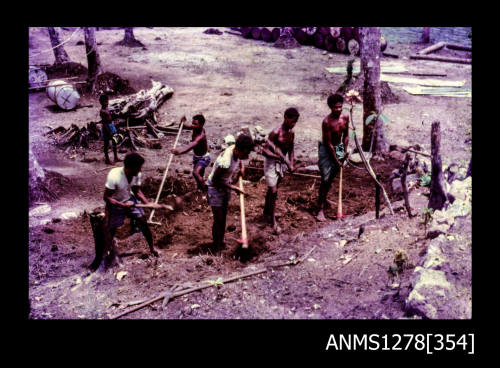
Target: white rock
x: 40, y: 210
x: 68, y: 215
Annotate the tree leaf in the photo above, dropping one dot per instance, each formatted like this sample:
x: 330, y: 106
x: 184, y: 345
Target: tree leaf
x: 384, y: 118
x: 370, y: 118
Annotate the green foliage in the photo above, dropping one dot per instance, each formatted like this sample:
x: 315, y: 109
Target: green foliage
x: 427, y: 215
x: 425, y: 180
x: 374, y: 115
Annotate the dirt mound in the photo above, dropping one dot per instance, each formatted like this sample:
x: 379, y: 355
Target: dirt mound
x: 64, y: 70
x: 112, y: 84
x: 52, y: 187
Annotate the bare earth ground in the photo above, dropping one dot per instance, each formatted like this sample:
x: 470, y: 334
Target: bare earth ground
x: 233, y: 82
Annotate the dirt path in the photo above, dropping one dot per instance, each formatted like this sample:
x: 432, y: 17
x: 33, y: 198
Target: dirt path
x: 233, y: 82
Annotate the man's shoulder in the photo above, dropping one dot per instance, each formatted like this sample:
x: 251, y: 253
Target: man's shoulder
x: 115, y: 173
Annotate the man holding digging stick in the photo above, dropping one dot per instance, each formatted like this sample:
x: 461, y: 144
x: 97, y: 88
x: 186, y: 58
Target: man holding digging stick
x: 278, y: 145
x: 121, y: 196
x: 332, y: 148
x: 219, y: 184
x: 199, y: 145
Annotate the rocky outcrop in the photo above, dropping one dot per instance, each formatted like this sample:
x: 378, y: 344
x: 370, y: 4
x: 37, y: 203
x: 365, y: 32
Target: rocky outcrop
x: 442, y: 283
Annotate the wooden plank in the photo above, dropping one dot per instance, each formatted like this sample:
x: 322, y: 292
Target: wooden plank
x: 442, y: 58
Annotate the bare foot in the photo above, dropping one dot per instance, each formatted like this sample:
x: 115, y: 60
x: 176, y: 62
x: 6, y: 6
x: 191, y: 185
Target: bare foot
x: 321, y: 216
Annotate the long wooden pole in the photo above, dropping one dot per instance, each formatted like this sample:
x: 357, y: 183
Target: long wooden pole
x: 339, y: 210
x: 166, y: 171
x: 244, y: 236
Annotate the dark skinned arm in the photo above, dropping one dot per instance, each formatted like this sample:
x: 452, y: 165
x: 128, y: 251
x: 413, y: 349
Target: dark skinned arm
x: 217, y: 180
x: 107, y: 198
x: 190, y: 146
x: 292, y: 154
x: 139, y: 194
x: 346, y: 137
x: 277, y: 152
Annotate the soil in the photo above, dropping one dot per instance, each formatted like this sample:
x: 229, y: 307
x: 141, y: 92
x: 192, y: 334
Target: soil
x: 233, y: 82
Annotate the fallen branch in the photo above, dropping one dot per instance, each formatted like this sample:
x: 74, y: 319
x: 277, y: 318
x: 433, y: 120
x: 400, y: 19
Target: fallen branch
x: 432, y: 48
x: 201, y: 287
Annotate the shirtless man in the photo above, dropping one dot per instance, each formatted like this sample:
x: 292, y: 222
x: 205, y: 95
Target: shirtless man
x: 278, y: 145
x: 108, y: 129
x: 331, y: 149
x: 199, y: 145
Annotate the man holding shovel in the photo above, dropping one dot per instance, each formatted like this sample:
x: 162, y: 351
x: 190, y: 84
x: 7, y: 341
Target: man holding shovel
x: 121, y: 196
x: 332, y: 148
x: 220, y: 186
x: 278, y: 145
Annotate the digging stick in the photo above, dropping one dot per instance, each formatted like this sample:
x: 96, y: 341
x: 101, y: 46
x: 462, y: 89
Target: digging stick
x: 154, y: 206
x: 367, y: 165
x: 165, y: 174
x: 244, y: 237
x: 339, y: 210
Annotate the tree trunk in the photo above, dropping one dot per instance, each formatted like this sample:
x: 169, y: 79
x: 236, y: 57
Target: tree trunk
x: 246, y: 32
x: 275, y: 33
x: 59, y: 52
x: 426, y: 32
x: 129, y: 39
x: 370, y: 66
x: 93, y: 59
x: 301, y: 36
x: 437, y: 197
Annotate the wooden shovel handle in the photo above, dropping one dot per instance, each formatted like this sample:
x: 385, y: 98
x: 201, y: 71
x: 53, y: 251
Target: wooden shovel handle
x: 244, y: 237
x: 339, y: 211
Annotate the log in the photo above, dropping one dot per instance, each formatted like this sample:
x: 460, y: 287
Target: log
x: 340, y: 44
x: 266, y: 35
x: 318, y: 40
x: 330, y: 43
x: 141, y: 105
x: 246, y: 32
x: 347, y: 33
x: 455, y: 46
x: 432, y: 48
x: 390, y: 55
x: 256, y: 31
x: 324, y: 31
x: 437, y: 197
x: 442, y: 58
x: 301, y: 36
x: 353, y: 47
x: 275, y: 34
x: 335, y: 31
x: 403, y: 184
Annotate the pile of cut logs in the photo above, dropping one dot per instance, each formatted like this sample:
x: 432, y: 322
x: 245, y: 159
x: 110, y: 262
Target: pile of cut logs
x: 334, y: 39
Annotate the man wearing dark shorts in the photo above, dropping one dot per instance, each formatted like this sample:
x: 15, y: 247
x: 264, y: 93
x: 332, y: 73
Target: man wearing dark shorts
x: 219, y: 184
x: 108, y: 129
x: 121, y: 194
x: 331, y: 148
x: 199, y: 145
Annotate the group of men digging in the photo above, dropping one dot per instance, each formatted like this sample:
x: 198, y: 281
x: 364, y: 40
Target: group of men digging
x: 122, y: 191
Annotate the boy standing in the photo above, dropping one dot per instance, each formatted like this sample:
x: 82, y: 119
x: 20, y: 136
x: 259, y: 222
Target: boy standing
x: 121, y: 194
x: 331, y: 148
x: 278, y: 145
x: 108, y: 128
x: 199, y: 145
x: 219, y: 184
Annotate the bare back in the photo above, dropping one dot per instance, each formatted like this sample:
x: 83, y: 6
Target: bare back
x: 282, y: 139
